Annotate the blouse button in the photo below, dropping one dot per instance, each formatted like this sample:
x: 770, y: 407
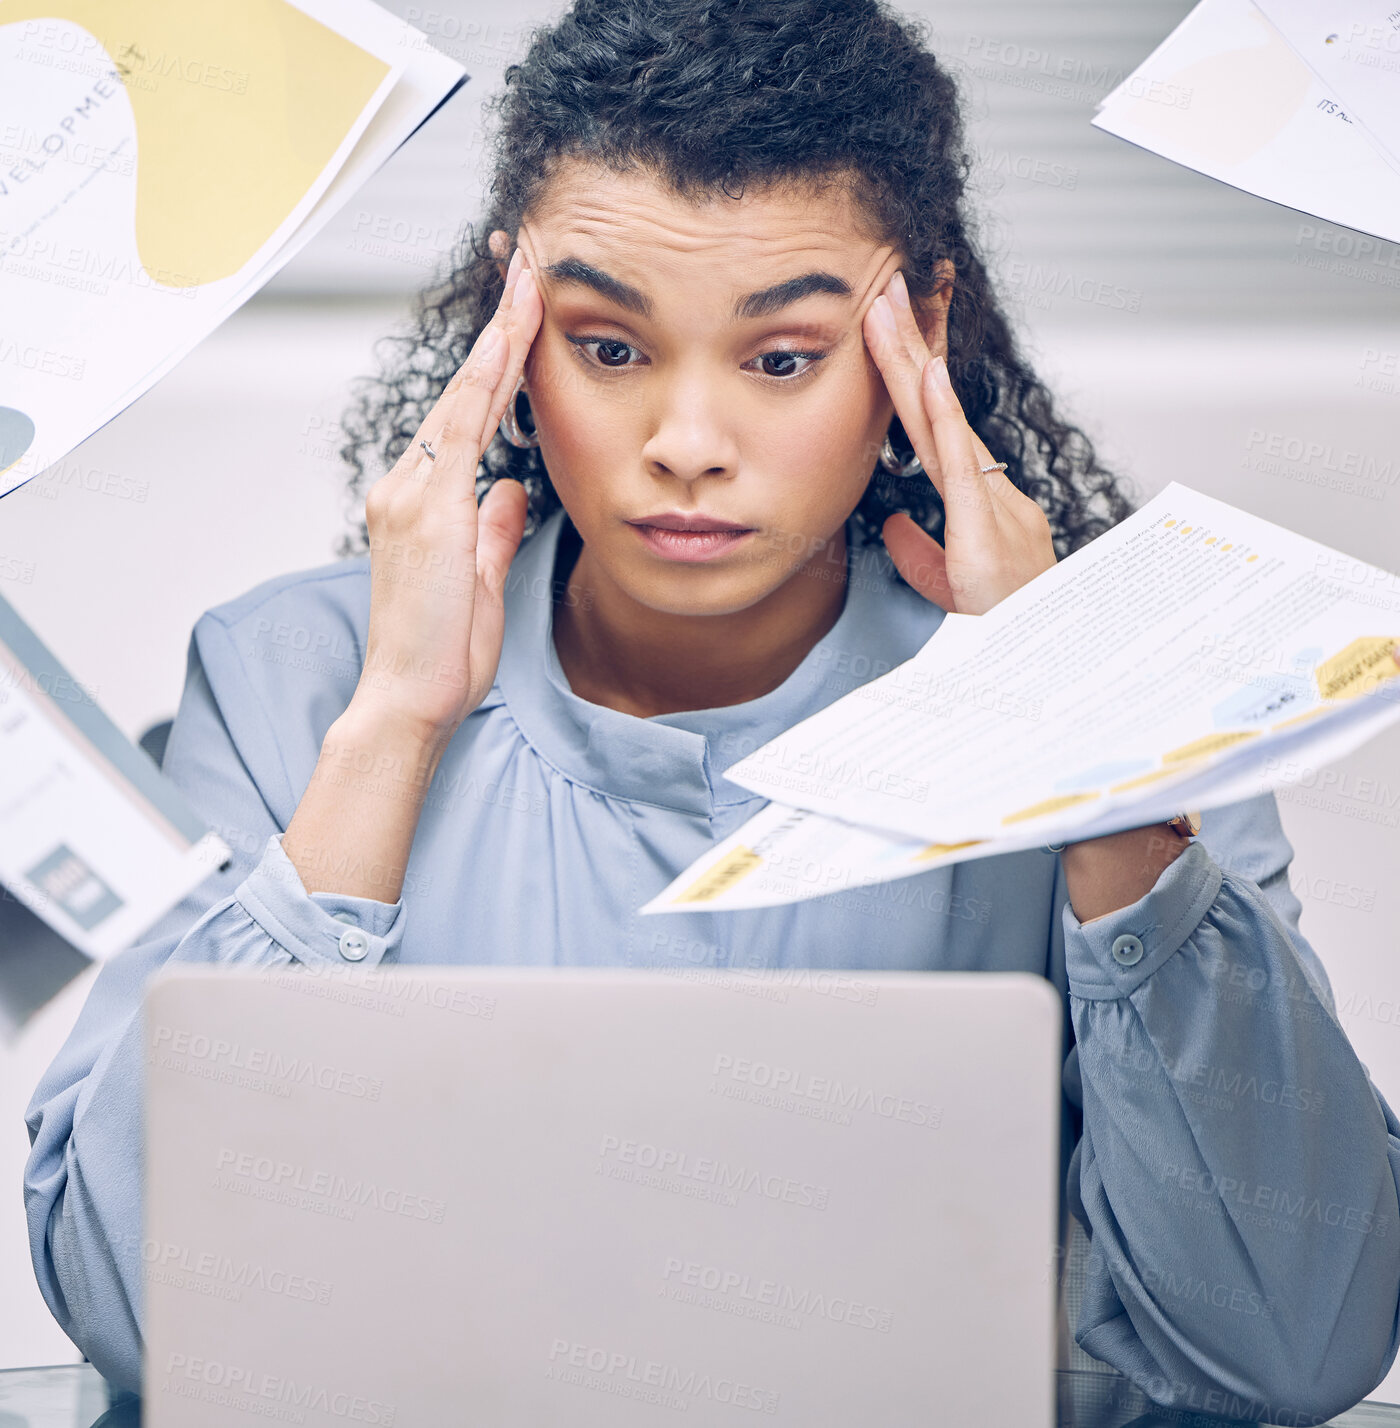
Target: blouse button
x: 1127, y: 950
x: 353, y: 944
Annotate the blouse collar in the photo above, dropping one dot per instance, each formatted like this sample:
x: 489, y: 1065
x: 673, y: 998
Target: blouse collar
x: 676, y: 761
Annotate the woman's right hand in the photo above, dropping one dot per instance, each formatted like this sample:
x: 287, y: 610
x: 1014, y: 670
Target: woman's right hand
x: 438, y: 564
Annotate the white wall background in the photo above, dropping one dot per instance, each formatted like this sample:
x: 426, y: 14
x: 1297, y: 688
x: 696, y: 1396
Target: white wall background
x: 1243, y: 331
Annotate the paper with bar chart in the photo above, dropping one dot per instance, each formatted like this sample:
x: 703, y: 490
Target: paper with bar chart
x: 158, y: 164
x: 92, y: 838
x: 1191, y: 656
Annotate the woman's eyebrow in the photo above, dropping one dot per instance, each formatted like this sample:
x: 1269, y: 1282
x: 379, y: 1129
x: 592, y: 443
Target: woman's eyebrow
x: 762, y: 303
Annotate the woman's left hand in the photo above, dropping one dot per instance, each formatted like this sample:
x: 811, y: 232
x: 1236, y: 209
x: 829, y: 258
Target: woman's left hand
x: 996, y: 538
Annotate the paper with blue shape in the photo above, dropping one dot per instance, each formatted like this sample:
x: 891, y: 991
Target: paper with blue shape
x: 1192, y: 656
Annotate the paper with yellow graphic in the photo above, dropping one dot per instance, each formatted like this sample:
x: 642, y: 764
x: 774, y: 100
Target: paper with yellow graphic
x: 1192, y: 656
x: 159, y: 160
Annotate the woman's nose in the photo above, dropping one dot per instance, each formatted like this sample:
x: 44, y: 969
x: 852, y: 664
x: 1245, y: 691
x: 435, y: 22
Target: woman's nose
x: 691, y: 436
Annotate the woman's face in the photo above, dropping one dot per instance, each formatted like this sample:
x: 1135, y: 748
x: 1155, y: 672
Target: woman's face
x: 704, y: 366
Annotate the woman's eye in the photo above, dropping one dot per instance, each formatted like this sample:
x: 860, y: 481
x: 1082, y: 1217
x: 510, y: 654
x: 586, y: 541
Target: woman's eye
x: 784, y: 357
x: 779, y: 365
x: 611, y: 353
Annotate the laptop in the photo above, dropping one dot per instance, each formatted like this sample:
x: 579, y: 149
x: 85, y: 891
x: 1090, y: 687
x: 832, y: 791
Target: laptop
x: 518, y: 1198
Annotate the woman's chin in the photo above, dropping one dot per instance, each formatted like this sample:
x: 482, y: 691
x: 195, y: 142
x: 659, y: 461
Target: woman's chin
x: 698, y: 587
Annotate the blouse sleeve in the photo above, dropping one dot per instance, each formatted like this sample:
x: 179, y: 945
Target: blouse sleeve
x: 1236, y: 1170
x: 82, y: 1183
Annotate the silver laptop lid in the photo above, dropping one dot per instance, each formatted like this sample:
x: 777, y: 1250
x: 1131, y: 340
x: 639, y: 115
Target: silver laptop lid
x: 522, y: 1198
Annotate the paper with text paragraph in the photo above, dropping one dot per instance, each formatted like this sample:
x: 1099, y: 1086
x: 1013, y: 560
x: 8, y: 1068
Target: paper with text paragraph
x: 1192, y: 656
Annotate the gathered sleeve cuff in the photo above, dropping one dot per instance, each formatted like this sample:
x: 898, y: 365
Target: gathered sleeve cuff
x: 318, y: 927
x: 1236, y: 1169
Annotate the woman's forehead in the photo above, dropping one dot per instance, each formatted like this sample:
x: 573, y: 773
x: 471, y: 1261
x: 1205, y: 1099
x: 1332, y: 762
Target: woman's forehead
x: 635, y: 232
x: 636, y: 211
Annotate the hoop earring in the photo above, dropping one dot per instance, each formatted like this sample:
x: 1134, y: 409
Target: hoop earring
x: 510, y: 423
x: 891, y: 463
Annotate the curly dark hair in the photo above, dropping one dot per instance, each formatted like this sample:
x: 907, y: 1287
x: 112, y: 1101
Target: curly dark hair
x: 708, y: 96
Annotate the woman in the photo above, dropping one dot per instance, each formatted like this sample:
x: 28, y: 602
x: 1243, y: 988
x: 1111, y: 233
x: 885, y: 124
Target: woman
x: 741, y: 290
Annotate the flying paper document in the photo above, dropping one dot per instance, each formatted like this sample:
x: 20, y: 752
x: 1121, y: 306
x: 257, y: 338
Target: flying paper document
x: 785, y: 854
x: 158, y: 164
x: 1353, y: 47
x: 1192, y: 656
x: 92, y: 838
x: 1227, y: 95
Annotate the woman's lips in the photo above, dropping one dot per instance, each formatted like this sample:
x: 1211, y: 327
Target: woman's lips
x: 690, y: 544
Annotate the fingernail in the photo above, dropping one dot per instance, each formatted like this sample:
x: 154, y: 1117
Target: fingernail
x: 898, y: 291
x: 940, y: 374
x: 884, y: 315
x: 513, y: 272
x: 491, y: 344
x: 524, y: 283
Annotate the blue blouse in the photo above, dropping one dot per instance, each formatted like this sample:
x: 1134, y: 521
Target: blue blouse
x: 1224, y: 1149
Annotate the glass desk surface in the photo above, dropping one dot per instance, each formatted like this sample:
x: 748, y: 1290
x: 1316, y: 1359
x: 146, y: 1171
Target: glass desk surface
x: 74, y: 1396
